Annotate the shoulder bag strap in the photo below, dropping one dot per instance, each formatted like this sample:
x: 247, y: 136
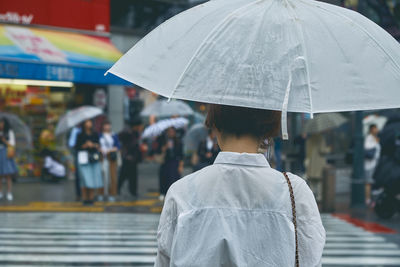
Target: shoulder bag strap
x: 294, y: 216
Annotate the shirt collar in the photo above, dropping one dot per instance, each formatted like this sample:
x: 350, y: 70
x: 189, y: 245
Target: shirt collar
x: 247, y: 159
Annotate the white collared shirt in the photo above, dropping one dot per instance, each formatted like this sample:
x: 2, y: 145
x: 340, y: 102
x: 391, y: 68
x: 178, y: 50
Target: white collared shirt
x: 237, y: 212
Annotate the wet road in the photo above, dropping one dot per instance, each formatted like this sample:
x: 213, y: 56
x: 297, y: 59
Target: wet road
x: 112, y: 239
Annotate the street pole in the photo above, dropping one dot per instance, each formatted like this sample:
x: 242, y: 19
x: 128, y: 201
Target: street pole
x: 358, y: 179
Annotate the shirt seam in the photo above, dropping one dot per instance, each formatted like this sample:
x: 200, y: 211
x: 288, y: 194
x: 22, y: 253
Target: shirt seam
x: 242, y: 164
x: 168, y: 223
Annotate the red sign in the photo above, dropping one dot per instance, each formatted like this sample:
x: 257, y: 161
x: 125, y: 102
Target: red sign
x: 91, y: 15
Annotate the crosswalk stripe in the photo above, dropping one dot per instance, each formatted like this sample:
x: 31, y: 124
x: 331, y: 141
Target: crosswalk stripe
x: 361, y: 245
x: 76, y: 237
x: 86, y: 250
x: 77, y: 231
x: 77, y: 242
x: 361, y: 261
x: 130, y: 239
x: 349, y: 245
x: 76, y: 258
x: 362, y: 252
x: 355, y: 239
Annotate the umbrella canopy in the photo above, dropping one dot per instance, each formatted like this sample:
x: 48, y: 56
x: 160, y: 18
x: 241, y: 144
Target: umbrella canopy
x: 324, y: 122
x: 158, y: 128
x: 197, y: 133
x: 75, y: 117
x: 379, y: 121
x: 21, y: 130
x: 198, y: 117
x: 164, y: 108
x: 292, y: 55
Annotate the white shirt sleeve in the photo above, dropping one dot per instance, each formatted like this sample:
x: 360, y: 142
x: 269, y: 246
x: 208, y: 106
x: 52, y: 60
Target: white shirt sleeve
x: 311, y: 233
x: 11, y: 138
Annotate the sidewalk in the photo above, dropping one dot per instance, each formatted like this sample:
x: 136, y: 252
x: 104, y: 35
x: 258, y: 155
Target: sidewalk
x: 36, y: 195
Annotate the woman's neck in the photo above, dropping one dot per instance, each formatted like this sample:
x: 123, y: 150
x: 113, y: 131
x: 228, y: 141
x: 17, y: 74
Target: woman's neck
x: 243, y: 144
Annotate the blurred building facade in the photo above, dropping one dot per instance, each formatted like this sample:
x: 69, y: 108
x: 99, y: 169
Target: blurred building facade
x: 53, y: 56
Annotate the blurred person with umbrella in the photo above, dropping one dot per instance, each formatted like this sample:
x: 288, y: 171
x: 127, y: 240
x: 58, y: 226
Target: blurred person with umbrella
x: 298, y: 56
x: 7, y: 154
x: 131, y: 156
x: 71, y: 121
x: 21, y: 131
x: 170, y: 148
x: 372, y: 150
x: 379, y: 121
x: 88, y: 154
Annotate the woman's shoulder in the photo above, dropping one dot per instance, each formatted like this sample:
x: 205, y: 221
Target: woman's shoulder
x: 296, y: 180
x: 306, y: 205
x: 181, y: 186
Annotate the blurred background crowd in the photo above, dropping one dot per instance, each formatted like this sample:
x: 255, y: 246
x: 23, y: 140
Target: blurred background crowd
x: 62, y: 119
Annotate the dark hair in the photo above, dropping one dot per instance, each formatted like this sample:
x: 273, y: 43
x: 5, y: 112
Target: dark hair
x: 82, y: 125
x: 240, y: 121
x: 6, y: 126
x: 106, y: 122
x: 371, y: 126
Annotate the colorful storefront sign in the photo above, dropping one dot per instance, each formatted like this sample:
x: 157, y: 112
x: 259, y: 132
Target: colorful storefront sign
x: 41, y: 54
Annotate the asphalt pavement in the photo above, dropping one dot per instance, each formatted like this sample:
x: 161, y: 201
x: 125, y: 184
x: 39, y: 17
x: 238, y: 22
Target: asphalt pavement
x: 46, y: 226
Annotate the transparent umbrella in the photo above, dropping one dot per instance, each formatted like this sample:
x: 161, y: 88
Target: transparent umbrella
x: 198, y: 117
x: 22, y: 131
x: 379, y: 121
x: 159, y: 127
x: 324, y: 122
x: 75, y: 117
x: 163, y: 108
x: 197, y: 133
x: 292, y: 55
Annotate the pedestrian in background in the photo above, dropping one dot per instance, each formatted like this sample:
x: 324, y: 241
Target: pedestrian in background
x: 110, y: 146
x: 372, y: 150
x: 131, y: 156
x: 88, y: 147
x: 239, y: 211
x: 171, y: 169
x: 7, y: 154
x: 71, y: 144
x: 316, y: 151
x: 207, y: 151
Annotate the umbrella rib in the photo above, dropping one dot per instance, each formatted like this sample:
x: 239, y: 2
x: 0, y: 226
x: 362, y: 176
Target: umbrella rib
x: 216, y: 27
x: 301, y: 34
x: 362, y: 29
